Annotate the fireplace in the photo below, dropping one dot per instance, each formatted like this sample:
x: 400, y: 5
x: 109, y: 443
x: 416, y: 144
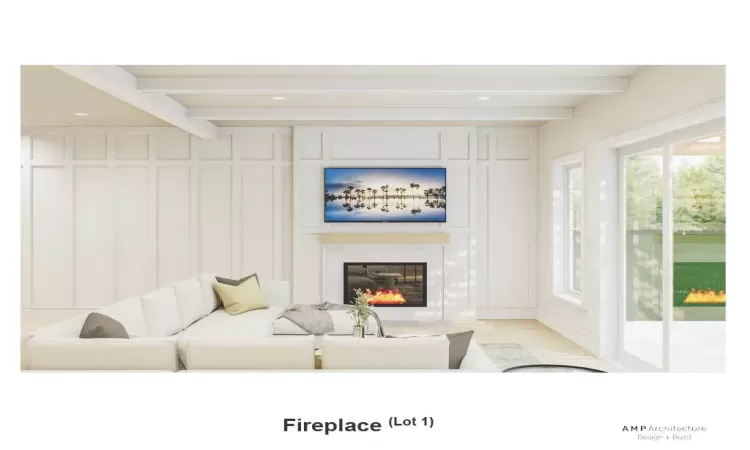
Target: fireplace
x: 391, y: 284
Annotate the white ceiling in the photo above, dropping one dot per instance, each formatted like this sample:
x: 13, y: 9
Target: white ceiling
x: 200, y: 98
x: 50, y: 98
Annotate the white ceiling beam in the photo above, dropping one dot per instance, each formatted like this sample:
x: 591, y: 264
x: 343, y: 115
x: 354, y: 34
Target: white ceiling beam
x: 120, y: 84
x: 379, y: 114
x: 365, y: 85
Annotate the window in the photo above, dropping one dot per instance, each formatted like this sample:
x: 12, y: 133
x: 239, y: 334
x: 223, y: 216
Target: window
x: 568, y: 194
x: 573, y: 245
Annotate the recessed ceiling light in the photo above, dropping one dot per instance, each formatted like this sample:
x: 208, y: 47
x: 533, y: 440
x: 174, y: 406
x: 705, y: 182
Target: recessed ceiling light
x: 483, y: 98
x: 278, y: 98
x: 81, y: 114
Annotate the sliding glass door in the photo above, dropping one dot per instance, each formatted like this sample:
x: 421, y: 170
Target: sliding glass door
x: 672, y: 252
x: 699, y: 255
x: 643, y: 258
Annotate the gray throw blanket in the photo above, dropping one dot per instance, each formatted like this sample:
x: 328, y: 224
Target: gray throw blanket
x: 315, y: 319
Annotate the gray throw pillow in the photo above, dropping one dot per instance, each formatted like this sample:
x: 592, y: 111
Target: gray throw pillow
x: 459, y: 344
x: 99, y: 326
x: 232, y: 282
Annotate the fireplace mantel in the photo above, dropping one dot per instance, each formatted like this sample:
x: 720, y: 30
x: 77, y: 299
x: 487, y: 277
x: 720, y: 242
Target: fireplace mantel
x: 386, y: 238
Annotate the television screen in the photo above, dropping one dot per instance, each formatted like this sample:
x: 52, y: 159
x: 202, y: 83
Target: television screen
x: 385, y: 194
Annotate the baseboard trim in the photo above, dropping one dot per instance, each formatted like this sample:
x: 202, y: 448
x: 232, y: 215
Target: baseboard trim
x: 506, y: 313
x: 570, y: 332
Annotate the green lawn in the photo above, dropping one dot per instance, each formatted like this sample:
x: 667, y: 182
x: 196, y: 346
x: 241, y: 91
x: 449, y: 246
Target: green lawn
x: 698, y: 275
x: 699, y: 239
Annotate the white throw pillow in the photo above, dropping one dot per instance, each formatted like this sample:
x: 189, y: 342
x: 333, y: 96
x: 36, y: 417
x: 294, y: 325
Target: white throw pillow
x: 129, y: 313
x: 189, y: 301
x: 161, y: 313
x: 211, y: 301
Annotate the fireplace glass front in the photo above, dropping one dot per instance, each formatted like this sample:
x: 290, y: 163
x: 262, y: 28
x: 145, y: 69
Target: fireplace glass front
x: 390, y: 284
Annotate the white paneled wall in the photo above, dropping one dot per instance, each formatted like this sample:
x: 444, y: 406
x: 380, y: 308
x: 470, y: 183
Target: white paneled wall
x: 507, y: 211
x: 110, y: 213
x: 486, y: 271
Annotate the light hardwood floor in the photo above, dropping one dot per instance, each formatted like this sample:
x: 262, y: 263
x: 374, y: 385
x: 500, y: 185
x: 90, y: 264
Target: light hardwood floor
x: 544, y: 344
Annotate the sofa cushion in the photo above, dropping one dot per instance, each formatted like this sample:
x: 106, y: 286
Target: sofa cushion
x: 99, y: 326
x: 242, y: 298
x: 350, y: 353
x: 161, y: 313
x: 65, y: 329
x: 221, y: 325
x: 210, y: 300
x: 189, y: 301
x: 129, y: 312
x: 101, y: 354
x: 266, y: 353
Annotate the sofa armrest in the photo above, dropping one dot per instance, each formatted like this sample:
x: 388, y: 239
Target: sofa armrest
x: 101, y: 354
x: 64, y: 329
x: 476, y: 359
x: 267, y: 353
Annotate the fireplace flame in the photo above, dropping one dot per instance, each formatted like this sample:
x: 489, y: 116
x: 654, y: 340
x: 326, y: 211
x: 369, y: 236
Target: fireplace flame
x: 709, y: 296
x: 386, y: 297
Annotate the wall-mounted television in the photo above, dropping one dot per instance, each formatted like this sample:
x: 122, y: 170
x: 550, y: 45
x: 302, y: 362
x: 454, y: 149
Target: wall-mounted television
x: 385, y: 194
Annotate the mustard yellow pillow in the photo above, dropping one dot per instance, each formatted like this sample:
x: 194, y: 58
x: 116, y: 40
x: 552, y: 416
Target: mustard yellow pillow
x: 244, y: 297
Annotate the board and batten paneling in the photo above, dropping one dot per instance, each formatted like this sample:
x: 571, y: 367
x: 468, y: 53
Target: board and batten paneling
x: 381, y: 143
x: 488, y: 269
x: 116, y: 212
x: 111, y: 213
x: 173, y: 224
x: 507, y: 181
x: 47, y: 148
x: 52, y: 281
x: 94, y: 237
x: 90, y: 146
x: 131, y: 146
x: 132, y: 274
x: 216, y: 219
x: 257, y: 200
x: 509, y: 248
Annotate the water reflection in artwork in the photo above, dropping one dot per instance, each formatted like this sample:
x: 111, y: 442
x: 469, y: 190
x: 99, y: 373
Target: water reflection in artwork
x: 385, y: 195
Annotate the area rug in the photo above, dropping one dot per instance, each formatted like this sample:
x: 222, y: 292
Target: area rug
x: 508, y: 355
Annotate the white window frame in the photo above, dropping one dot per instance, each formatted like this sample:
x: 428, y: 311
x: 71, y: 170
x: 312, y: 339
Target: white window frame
x: 569, y: 233
x: 562, y: 245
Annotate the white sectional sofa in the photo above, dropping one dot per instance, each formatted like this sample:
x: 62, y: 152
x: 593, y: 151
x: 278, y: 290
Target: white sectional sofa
x: 350, y: 353
x: 410, y: 353
x: 183, y: 327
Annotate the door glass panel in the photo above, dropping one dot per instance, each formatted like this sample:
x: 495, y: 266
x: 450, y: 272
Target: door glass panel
x: 697, y: 340
x: 643, y: 327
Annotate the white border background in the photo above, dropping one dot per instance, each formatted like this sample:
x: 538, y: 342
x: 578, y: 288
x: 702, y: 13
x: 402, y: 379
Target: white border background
x: 226, y: 411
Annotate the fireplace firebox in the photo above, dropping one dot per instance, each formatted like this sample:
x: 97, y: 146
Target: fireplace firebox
x: 391, y: 284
